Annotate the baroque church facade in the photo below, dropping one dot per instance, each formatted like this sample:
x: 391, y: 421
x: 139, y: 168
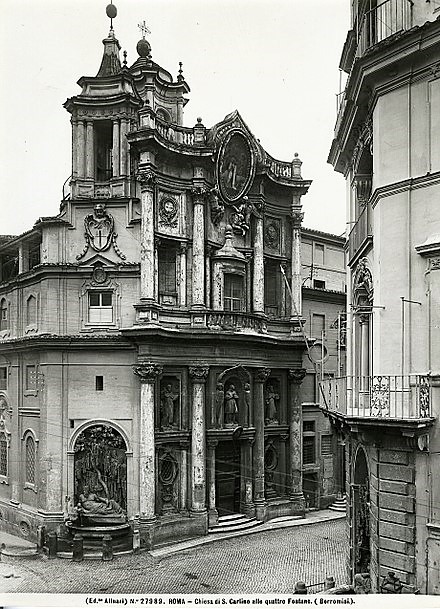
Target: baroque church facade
x: 151, y: 349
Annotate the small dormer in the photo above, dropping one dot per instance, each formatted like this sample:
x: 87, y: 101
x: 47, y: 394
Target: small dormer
x: 102, y: 115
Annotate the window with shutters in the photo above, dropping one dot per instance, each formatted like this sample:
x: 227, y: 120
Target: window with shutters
x: 309, y: 442
x: 3, y: 314
x: 3, y: 378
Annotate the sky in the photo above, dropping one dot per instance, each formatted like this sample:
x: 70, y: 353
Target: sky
x: 275, y: 61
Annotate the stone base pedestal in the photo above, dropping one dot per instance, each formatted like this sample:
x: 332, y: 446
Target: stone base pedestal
x: 212, y: 518
x: 147, y: 312
x: 147, y: 530
x: 296, y: 325
x: 298, y: 504
x: 260, y: 511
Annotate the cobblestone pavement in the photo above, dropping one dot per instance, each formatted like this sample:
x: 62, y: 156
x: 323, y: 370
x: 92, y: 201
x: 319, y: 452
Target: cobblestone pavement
x: 266, y: 562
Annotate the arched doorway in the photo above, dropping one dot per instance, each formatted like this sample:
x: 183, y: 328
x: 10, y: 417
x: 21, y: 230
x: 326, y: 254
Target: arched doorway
x: 361, y: 514
x: 100, y: 463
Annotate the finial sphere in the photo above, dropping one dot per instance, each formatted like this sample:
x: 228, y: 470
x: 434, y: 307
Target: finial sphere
x: 111, y: 11
x: 143, y: 48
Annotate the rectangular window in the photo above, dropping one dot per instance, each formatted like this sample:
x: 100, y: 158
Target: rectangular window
x: 99, y: 383
x: 319, y: 284
x: 318, y: 257
x: 3, y: 378
x: 271, y: 291
x: 318, y: 325
x: 31, y: 378
x: 167, y: 276
x: 234, y: 293
x: 3, y: 455
x: 100, y: 307
x: 309, y: 426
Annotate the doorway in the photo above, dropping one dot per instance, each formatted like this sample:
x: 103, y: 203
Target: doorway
x: 227, y: 478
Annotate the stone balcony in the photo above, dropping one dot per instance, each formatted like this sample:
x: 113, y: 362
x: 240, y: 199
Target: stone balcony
x: 382, y: 399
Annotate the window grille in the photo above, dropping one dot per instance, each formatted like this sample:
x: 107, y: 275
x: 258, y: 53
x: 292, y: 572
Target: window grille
x: 30, y: 460
x: 3, y: 455
x: 309, y: 450
x: 31, y: 378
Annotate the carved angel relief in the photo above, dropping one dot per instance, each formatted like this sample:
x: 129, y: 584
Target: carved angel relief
x: 100, y: 232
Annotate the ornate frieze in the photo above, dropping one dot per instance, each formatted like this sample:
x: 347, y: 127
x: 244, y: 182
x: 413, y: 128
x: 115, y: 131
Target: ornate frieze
x: 148, y: 371
x: 100, y: 232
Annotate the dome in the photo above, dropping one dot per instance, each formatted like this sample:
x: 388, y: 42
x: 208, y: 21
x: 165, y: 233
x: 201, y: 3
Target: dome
x: 143, y: 48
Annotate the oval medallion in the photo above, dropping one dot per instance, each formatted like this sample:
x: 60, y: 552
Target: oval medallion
x: 235, y: 166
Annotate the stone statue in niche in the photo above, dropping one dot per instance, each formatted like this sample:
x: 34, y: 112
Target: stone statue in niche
x: 241, y: 217
x: 271, y: 412
x: 219, y: 403
x: 168, y: 398
x: 91, y: 504
x: 231, y: 406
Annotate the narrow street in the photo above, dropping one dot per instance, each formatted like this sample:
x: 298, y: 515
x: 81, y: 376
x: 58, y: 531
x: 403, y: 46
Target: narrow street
x: 264, y: 562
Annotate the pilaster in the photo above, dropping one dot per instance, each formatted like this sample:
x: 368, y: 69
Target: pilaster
x: 260, y: 378
x: 199, y: 195
x: 198, y: 375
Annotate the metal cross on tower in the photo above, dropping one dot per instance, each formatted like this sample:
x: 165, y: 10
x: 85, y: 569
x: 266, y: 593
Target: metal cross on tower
x: 144, y: 29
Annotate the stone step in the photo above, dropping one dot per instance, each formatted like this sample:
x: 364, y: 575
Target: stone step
x: 234, y: 522
x: 339, y: 505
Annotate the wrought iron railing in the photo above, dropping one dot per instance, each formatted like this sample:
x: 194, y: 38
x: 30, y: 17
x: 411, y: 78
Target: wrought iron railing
x: 360, y: 231
x: 379, y: 396
x: 382, y: 21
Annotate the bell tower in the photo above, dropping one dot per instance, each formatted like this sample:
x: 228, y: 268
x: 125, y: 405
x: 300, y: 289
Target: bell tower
x: 102, y: 115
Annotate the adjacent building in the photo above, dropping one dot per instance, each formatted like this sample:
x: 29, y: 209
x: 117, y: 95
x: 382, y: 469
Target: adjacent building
x: 386, y: 407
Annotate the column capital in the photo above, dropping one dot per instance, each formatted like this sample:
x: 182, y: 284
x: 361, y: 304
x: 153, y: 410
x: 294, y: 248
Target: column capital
x: 261, y: 375
x: 296, y: 375
x: 199, y: 374
x: 296, y: 216
x: 147, y: 179
x: 199, y: 194
x: 147, y: 372
x: 183, y: 247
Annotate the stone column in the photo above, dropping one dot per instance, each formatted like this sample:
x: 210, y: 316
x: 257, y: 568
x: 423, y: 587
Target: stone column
x: 80, y: 149
x: 147, y: 180
x: 260, y: 378
x: 283, y: 311
x: 296, y: 376
x: 296, y: 217
x: 74, y: 148
x: 182, y: 275
x: 198, y: 376
x: 212, y: 514
x: 124, y: 147
x: 208, y: 276
x: 198, y: 248
x: 184, y: 445
x: 89, y: 150
x: 248, y: 283
x: 248, y: 503
x: 115, y: 149
x: 365, y: 351
x: 147, y: 373
x: 258, y: 283
x: 156, y: 268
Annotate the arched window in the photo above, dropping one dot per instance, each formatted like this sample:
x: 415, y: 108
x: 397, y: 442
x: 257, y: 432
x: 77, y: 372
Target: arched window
x: 3, y: 314
x: 31, y: 310
x: 30, y: 460
x: 163, y: 114
x: 3, y: 454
